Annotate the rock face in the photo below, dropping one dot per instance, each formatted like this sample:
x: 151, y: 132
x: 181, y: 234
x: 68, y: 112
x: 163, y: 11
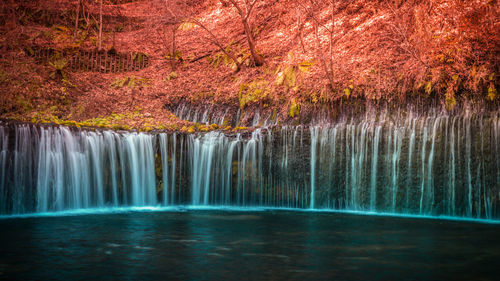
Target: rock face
x: 433, y: 164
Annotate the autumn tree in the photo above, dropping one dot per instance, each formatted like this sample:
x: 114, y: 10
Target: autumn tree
x: 311, y: 9
x: 245, y: 8
x: 100, y: 25
x: 174, y: 19
x: 78, y: 5
x: 189, y: 22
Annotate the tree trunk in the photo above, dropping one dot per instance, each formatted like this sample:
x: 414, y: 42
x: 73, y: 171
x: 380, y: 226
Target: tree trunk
x: 77, y: 19
x: 218, y: 44
x: 257, y: 59
x: 173, y: 57
x: 100, y: 27
x: 321, y: 56
x: 331, y: 38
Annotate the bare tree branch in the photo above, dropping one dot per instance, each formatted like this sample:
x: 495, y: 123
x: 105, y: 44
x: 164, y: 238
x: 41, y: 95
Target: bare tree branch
x: 257, y: 59
x: 216, y: 42
x: 77, y: 19
x: 100, y: 27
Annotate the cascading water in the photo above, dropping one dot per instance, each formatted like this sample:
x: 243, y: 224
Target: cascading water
x: 424, y: 165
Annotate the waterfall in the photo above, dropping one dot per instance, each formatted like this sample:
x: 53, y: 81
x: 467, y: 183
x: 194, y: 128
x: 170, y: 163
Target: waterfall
x: 78, y: 169
x: 373, y: 180
x: 431, y: 164
x: 165, y: 171
x: 203, y: 150
x: 314, y: 141
x: 23, y: 167
x: 4, y: 144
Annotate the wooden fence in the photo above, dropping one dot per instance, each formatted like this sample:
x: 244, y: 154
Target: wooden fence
x: 91, y: 60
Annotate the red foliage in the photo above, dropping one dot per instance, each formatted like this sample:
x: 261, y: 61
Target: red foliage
x: 379, y: 50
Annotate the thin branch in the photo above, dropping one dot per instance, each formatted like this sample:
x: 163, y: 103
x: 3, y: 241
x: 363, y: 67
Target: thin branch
x: 235, y: 4
x: 249, y: 11
x: 216, y: 42
x: 77, y: 19
x: 100, y: 27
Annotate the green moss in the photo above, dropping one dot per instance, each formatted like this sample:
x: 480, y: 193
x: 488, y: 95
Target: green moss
x: 116, y: 127
x: 492, y: 92
x: 70, y: 123
x: 294, y: 109
x: 172, y: 75
x: 347, y: 92
x: 240, y: 128
x: 428, y: 87
x: 174, y: 127
x: 131, y: 82
x: 291, y: 74
x: 253, y: 92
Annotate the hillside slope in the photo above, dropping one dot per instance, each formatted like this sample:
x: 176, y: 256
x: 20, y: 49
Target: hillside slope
x: 316, y: 54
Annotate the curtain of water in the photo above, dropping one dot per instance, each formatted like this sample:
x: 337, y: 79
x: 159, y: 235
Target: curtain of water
x: 428, y: 165
x: 4, y: 144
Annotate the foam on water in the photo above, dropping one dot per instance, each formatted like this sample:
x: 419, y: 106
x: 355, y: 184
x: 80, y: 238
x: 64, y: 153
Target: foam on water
x: 195, y: 208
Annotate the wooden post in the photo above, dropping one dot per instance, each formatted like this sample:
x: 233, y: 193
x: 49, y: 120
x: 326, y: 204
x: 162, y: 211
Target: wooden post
x: 122, y: 62
x: 97, y: 66
x: 125, y: 62
x: 131, y: 62
x: 106, y: 62
x: 129, y: 58
x: 99, y: 63
x: 70, y: 59
x: 91, y: 60
x: 94, y: 60
x: 89, y: 64
x: 79, y: 58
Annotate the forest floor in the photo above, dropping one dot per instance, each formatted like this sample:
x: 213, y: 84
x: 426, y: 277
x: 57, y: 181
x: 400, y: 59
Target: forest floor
x: 315, y: 55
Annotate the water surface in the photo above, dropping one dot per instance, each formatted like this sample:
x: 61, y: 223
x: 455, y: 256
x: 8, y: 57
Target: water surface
x: 246, y: 245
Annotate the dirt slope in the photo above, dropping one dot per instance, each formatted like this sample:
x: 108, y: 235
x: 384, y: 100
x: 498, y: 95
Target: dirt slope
x: 316, y: 54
